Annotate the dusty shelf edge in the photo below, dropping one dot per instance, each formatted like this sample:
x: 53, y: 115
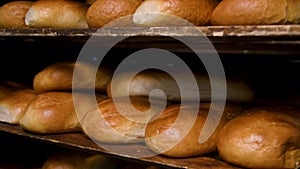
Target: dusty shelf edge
x: 211, y: 31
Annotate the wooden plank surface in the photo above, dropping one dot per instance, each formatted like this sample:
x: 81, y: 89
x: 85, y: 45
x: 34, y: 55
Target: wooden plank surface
x: 211, y: 31
x: 81, y: 142
x: 261, y: 39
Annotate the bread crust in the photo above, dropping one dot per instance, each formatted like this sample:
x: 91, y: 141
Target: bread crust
x: 51, y: 112
x: 103, y: 12
x: 57, y: 112
x: 256, y: 12
x: 168, y: 138
x: 12, y: 14
x: 121, y: 124
x: 57, y: 14
x: 12, y: 107
x: 146, y: 81
x: 59, y: 77
x: 262, y: 138
x: 196, y: 12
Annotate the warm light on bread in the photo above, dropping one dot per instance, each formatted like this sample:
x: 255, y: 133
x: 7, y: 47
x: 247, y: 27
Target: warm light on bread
x: 117, y: 121
x: 12, y: 107
x: 57, y: 14
x: 12, y: 14
x: 60, y: 77
x: 175, y: 136
x: 103, y: 12
x: 262, y: 138
x: 146, y: 81
x: 160, y: 12
x: 57, y: 112
x: 256, y: 12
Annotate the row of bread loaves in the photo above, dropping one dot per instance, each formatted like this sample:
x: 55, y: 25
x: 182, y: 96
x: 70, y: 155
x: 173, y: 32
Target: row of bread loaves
x: 51, y: 106
x: 96, y: 14
x: 43, y: 13
x: 64, y: 96
x: 256, y: 138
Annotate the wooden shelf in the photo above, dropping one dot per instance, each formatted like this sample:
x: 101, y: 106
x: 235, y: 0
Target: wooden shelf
x: 260, y: 39
x: 268, y: 40
x: 81, y: 142
x: 209, y: 31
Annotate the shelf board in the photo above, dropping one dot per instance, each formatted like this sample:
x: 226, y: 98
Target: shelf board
x: 209, y: 31
x: 258, y: 39
x: 81, y: 142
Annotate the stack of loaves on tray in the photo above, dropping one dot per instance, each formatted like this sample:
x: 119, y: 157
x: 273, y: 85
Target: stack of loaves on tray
x: 96, y: 14
x: 116, y: 109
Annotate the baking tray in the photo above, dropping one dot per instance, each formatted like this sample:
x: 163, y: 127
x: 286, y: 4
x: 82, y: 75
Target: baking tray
x: 80, y: 142
x: 258, y: 39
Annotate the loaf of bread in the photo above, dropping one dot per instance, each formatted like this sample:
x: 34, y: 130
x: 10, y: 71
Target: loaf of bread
x: 262, y: 138
x: 124, y: 123
x: 12, y: 14
x: 51, y: 112
x: 146, y: 81
x: 57, y: 14
x: 59, y: 77
x: 104, y: 12
x: 57, y: 112
x: 164, y: 12
x: 176, y: 132
x: 256, y: 12
x: 78, y: 160
x: 12, y: 107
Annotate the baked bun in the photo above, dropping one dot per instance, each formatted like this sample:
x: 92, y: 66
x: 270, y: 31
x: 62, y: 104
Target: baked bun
x: 59, y: 77
x: 51, y: 112
x: 12, y: 14
x: 103, y: 12
x: 78, y: 160
x: 256, y: 12
x: 122, y: 124
x: 57, y: 14
x: 148, y: 80
x: 160, y: 12
x: 262, y: 138
x: 12, y: 107
x: 55, y: 112
x: 177, y: 136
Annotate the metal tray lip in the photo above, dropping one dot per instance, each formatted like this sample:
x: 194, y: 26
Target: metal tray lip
x: 211, y: 31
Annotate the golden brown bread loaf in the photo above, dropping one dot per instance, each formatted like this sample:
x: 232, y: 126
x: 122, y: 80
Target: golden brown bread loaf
x: 103, y: 12
x: 12, y: 14
x: 197, y: 12
x: 12, y: 107
x: 57, y: 14
x: 78, y: 160
x: 59, y: 77
x: 123, y: 124
x: 56, y: 112
x: 262, y: 138
x: 146, y: 81
x: 171, y: 136
x: 256, y: 12
x: 51, y: 112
